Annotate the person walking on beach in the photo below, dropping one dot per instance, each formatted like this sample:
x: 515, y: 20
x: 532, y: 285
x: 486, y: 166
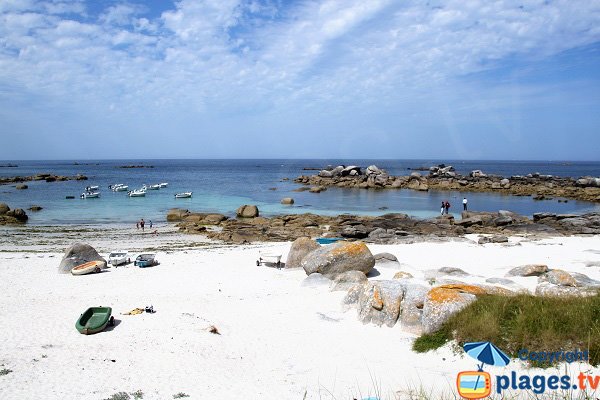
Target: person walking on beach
x: 446, y: 206
x: 142, y: 223
x: 150, y: 224
x: 465, y: 204
x: 443, y: 208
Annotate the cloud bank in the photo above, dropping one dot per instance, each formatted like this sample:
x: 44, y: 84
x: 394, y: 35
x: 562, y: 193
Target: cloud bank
x: 233, y: 78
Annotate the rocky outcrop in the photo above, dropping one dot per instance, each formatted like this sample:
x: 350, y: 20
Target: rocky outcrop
x: 287, y: 201
x: 8, y: 216
x: 21, y: 186
x: 247, y: 211
x: 338, y: 258
x: 300, y: 248
x: 40, y: 177
x: 77, y: 254
x: 444, y: 177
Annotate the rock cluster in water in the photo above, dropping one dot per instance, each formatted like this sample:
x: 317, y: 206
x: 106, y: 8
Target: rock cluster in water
x: 442, y: 177
x: 41, y: 177
x: 8, y: 216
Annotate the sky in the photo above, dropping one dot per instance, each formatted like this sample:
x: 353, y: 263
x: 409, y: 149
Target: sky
x: 455, y: 79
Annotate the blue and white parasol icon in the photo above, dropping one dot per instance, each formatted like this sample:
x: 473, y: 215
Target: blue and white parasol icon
x: 486, y: 353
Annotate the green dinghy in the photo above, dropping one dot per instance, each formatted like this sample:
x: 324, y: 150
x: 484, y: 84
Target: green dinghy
x: 94, y: 320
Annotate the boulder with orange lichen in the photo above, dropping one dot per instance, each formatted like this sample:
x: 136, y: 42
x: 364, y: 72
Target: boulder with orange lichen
x: 338, y: 258
x: 443, y: 301
x: 379, y: 302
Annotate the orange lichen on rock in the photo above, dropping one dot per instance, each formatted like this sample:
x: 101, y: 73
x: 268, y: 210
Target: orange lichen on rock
x: 351, y: 248
x: 449, y: 293
x: 377, y: 300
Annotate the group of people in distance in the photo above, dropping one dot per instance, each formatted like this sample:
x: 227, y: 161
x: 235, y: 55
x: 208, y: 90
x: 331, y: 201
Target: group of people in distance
x: 141, y: 224
x: 446, y: 206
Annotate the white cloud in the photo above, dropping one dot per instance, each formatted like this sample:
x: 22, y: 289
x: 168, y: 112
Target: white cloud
x: 225, y: 56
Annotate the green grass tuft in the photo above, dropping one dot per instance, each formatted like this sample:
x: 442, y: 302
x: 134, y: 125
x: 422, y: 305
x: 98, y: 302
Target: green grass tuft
x: 524, y: 322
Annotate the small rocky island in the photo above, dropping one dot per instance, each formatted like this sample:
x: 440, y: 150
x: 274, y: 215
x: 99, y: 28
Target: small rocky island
x: 9, y: 217
x: 442, y: 177
x: 42, y: 177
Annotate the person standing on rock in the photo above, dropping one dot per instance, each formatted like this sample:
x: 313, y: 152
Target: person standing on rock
x: 443, y: 208
x: 447, y: 206
x: 465, y: 204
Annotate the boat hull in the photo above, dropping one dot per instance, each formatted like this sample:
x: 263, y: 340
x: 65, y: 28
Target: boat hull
x: 93, y: 320
x: 87, y: 268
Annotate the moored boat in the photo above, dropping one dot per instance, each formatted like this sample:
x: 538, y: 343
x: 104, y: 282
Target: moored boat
x: 94, y: 320
x: 90, y: 195
x: 137, y: 193
x: 92, y: 188
x: 163, y: 185
x: 87, y: 268
x: 119, y: 188
x: 184, y: 195
x: 151, y: 187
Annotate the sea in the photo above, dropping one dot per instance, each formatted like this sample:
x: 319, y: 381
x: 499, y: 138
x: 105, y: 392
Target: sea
x: 221, y: 186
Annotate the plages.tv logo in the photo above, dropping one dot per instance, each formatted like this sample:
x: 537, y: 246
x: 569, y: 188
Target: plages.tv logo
x: 478, y: 384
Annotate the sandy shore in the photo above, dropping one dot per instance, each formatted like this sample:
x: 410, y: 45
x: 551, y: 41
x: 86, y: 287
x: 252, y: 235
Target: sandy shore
x: 279, y: 339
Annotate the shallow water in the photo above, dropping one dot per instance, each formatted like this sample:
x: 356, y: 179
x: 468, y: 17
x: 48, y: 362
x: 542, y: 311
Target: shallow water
x: 223, y: 185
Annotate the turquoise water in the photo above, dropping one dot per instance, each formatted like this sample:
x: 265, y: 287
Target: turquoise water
x: 224, y: 185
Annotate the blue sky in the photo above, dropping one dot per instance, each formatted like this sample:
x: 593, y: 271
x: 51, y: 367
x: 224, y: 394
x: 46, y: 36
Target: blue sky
x: 468, y: 79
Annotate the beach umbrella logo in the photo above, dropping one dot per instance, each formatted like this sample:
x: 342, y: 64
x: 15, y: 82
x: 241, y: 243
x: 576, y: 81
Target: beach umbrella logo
x: 478, y: 384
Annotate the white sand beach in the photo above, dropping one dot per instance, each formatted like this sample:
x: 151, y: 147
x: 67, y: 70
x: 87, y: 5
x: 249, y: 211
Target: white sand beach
x: 278, y: 339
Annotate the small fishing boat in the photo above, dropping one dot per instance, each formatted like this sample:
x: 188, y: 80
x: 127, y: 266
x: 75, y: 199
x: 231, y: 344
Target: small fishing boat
x: 119, y: 187
x: 118, y: 257
x: 92, y: 188
x: 90, y: 195
x: 163, y: 185
x: 137, y: 193
x: 94, y: 320
x: 184, y: 195
x: 87, y: 268
x: 145, y: 260
x: 151, y: 187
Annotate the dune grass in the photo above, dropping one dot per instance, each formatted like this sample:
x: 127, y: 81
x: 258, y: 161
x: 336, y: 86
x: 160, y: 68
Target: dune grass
x: 524, y: 322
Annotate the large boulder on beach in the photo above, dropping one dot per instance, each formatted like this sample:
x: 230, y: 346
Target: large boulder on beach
x: 247, y: 211
x: 347, y: 280
x: 4, y: 208
x: 444, y: 301
x: 300, y: 248
x: 379, y: 302
x: 77, y: 254
x: 338, y: 258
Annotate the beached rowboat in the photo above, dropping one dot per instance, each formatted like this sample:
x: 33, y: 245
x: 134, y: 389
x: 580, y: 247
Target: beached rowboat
x: 88, y: 268
x: 145, y: 260
x: 94, y: 320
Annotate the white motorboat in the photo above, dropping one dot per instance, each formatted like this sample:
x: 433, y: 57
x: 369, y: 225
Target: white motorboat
x: 137, y: 193
x: 90, y: 195
x: 163, y: 185
x: 184, y: 195
x: 118, y: 257
x: 122, y: 188
x: 92, y: 188
x: 119, y: 187
x: 151, y: 187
